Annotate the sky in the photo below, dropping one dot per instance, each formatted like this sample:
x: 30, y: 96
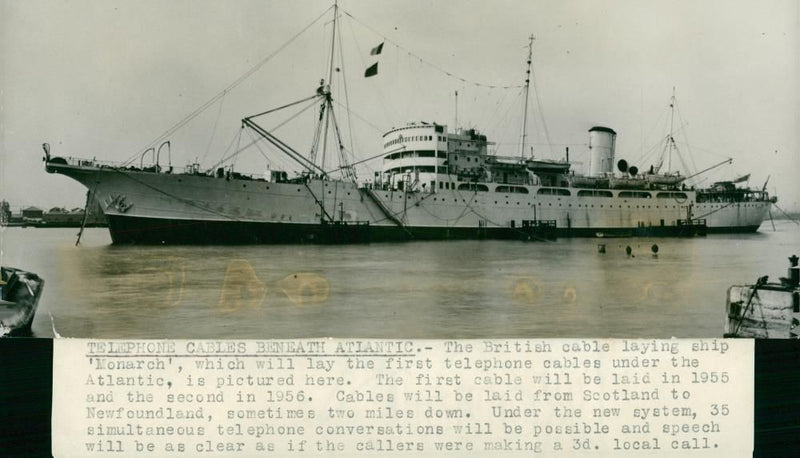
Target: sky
x: 102, y: 79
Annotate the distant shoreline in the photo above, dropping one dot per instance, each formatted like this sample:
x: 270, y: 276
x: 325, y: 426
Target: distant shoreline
x: 52, y: 225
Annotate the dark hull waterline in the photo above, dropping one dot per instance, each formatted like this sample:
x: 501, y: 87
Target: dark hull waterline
x: 136, y: 230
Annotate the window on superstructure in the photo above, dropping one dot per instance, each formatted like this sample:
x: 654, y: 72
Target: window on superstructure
x: 669, y: 195
x: 635, y: 194
x: 473, y: 187
x: 594, y: 193
x: 554, y: 191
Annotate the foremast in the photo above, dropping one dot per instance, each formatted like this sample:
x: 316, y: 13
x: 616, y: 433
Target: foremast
x: 326, y: 122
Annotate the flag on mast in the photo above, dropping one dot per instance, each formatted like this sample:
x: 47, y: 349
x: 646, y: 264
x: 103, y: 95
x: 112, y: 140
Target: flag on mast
x: 376, y: 50
x: 371, y: 71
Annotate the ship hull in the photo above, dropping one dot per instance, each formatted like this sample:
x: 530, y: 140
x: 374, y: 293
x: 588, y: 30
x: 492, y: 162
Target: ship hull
x: 160, y: 208
x: 151, y: 231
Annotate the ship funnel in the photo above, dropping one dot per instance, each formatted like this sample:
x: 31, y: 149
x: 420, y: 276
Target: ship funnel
x: 633, y: 170
x: 601, y: 150
x: 622, y: 165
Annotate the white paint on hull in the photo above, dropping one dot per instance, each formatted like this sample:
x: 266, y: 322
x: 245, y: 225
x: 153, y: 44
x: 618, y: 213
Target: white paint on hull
x: 199, y: 197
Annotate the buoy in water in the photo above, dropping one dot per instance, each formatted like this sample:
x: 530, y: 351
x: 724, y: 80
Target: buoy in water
x: 628, y: 250
x: 601, y: 247
x: 654, y: 248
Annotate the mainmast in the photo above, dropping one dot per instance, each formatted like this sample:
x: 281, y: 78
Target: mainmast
x: 525, y: 110
x: 326, y: 114
x: 671, y: 140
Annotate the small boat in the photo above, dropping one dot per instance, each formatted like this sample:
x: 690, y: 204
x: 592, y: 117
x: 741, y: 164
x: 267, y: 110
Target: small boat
x: 765, y: 310
x: 665, y: 180
x: 19, y: 297
x: 627, y: 183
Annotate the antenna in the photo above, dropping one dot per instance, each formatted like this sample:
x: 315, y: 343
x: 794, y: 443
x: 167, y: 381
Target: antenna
x: 525, y: 110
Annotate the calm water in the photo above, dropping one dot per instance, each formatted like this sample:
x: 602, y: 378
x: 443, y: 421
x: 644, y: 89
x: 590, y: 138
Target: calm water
x: 468, y: 289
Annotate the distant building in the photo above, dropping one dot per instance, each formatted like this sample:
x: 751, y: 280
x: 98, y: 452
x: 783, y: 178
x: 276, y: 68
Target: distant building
x: 55, y: 217
x: 32, y: 213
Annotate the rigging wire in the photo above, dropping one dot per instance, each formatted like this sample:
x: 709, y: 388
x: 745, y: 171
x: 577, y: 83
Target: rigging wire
x: 497, y: 106
x: 238, y: 142
x: 256, y: 142
x: 683, y: 123
x: 381, y: 97
x: 214, y: 128
x: 662, y: 140
x: 646, y: 156
x: 432, y: 65
x: 361, y: 118
x: 504, y: 121
x: 234, y: 139
x: 347, y: 102
x: 239, y: 151
x: 792, y: 219
x: 541, y: 110
x: 347, y: 171
x: 233, y: 85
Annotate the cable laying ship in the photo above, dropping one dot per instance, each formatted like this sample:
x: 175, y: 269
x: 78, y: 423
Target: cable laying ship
x: 435, y: 183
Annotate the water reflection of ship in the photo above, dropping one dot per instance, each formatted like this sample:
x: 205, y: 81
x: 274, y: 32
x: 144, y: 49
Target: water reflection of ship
x: 435, y: 183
